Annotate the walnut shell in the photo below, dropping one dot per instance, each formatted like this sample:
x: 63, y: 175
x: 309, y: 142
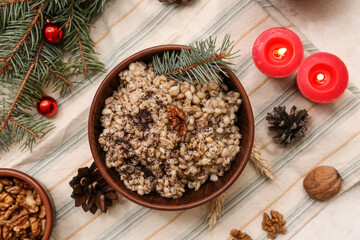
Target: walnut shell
x: 322, y: 183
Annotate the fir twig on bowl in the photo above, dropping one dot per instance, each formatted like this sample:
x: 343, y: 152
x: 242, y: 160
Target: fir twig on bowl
x: 198, y: 62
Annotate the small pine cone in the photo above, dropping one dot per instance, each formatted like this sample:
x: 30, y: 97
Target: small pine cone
x: 176, y: 1
x: 288, y: 127
x: 91, y: 191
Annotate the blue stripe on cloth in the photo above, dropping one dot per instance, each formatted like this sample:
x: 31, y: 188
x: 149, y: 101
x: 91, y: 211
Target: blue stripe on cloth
x: 280, y: 100
x: 127, y: 223
x: 244, y: 68
x: 222, y: 20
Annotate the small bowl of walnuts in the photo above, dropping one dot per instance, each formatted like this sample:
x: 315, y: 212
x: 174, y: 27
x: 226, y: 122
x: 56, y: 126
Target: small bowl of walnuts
x: 165, y: 144
x: 26, y: 210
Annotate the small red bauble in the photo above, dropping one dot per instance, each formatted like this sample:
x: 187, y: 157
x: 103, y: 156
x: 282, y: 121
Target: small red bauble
x: 46, y: 106
x: 52, y: 33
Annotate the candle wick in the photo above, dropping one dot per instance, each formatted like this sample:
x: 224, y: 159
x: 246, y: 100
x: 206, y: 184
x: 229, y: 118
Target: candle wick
x: 279, y: 53
x: 320, y: 78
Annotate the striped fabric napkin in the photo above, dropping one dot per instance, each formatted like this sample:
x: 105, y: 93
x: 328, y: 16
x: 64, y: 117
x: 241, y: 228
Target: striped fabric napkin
x: 129, y: 26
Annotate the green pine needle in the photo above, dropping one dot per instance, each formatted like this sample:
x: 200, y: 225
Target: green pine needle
x: 198, y: 62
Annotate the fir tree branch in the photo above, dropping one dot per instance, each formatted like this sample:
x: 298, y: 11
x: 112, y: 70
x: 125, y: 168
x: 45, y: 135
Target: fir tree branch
x: 22, y: 126
x: 183, y: 70
x: 7, y: 66
x: 82, y: 56
x: 198, y: 62
x: 24, y: 71
x: 2, y: 4
x: 26, y: 33
x: 7, y: 117
x: 70, y: 15
x: 59, y: 76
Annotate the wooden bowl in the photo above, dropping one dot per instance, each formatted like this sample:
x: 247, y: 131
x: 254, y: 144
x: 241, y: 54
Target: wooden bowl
x: 209, y: 190
x: 46, y: 199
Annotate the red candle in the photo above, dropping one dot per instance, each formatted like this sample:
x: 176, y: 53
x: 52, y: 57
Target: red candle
x: 322, y: 77
x: 278, y: 52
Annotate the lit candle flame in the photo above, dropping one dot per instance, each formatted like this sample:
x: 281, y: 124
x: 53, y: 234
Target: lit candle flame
x: 279, y: 53
x: 320, y: 78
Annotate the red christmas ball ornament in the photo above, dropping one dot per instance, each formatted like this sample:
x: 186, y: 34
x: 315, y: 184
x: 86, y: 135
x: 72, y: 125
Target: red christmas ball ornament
x: 46, y: 106
x: 52, y: 32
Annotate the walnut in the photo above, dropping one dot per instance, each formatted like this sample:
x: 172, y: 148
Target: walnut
x: 10, y: 211
x: 6, y: 232
x: 19, y: 218
x: 29, y: 200
x: 42, y: 212
x: 37, y: 198
x: 36, y: 227
x: 21, y: 234
x: 20, y: 198
x: 322, y: 183
x: 6, y: 182
x: 238, y: 235
x: 178, y: 118
x: 275, y: 225
x: 21, y: 184
x: 5, y: 200
x: 31, y: 209
x: 12, y: 189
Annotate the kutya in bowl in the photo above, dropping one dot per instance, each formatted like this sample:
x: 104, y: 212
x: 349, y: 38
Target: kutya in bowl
x: 6, y: 173
x: 191, y: 198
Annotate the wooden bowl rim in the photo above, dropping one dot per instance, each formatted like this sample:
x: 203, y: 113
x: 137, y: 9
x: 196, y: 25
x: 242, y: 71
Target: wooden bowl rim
x: 103, y: 169
x: 44, y: 195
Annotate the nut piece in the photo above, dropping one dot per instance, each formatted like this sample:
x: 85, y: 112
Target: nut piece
x: 6, y: 182
x: 275, y: 225
x: 35, y: 225
x: 322, y: 183
x: 20, y: 221
x: 12, y: 189
x: 178, y: 118
x: 5, y: 200
x: 6, y: 232
x: 238, y: 235
x: 42, y: 212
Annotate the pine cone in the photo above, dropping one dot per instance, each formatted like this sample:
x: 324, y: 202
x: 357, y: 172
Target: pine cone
x: 288, y: 127
x: 91, y: 191
x: 176, y: 1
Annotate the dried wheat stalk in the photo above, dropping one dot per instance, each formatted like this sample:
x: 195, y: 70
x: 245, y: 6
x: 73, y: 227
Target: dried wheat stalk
x: 215, y: 210
x: 261, y: 164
